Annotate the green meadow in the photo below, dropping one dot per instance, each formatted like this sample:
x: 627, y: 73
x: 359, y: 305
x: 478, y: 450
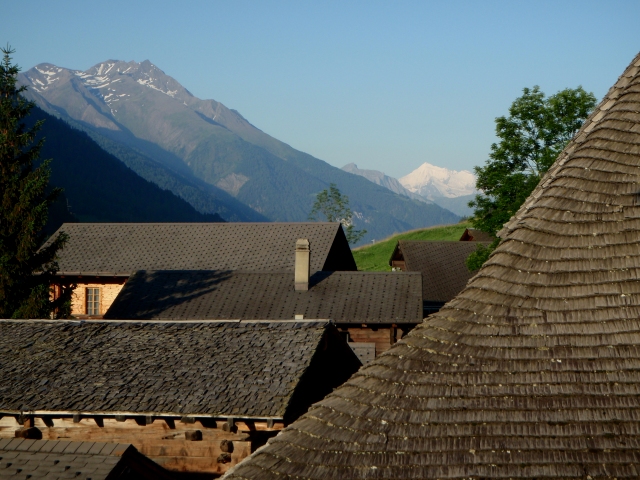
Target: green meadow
x: 375, y: 257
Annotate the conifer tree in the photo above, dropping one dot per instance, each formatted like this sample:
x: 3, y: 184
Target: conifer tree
x: 26, y: 272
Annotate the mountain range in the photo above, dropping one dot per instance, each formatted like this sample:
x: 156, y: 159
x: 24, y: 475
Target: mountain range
x: 98, y: 187
x: 450, y: 189
x: 207, y: 154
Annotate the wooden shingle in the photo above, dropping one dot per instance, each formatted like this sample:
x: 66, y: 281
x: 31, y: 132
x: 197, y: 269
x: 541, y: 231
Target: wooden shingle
x: 533, y: 370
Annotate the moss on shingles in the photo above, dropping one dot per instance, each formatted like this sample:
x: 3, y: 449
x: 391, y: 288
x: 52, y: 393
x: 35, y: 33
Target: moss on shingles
x: 375, y: 258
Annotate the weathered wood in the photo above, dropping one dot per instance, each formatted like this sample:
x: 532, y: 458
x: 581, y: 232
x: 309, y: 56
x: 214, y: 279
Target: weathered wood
x: 381, y: 336
x: 32, y: 433
x: 168, y: 447
x: 193, y: 435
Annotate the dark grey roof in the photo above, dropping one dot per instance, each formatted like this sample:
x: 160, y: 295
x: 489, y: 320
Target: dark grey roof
x: 123, y: 248
x: 475, y: 235
x: 187, y: 368
x: 442, y: 264
x: 533, y: 370
x: 58, y: 459
x: 344, y: 297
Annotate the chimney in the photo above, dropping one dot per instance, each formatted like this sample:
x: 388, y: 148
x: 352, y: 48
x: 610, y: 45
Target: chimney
x: 302, y: 265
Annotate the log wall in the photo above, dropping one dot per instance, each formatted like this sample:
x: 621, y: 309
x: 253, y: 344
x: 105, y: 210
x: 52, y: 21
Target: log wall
x: 383, y: 335
x: 164, y: 442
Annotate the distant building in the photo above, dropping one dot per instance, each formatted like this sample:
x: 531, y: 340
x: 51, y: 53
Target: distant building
x: 99, y: 257
x: 475, y: 235
x: 191, y: 396
x: 442, y: 265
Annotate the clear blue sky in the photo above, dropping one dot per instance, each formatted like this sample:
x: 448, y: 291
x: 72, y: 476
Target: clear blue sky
x: 385, y: 84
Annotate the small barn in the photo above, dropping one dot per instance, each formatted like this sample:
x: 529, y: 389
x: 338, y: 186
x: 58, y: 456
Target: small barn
x: 99, y: 257
x: 191, y: 396
x: 533, y: 370
x: 59, y: 459
x: 372, y: 310
x: 442, y: 265
x: 475, y: 235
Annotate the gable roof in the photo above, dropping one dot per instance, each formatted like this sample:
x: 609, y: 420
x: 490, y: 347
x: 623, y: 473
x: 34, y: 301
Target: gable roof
x: 344, y: 297
x: 475, y: 235
x: 442, y: 264
x: 226, y: 369
x: 533, y: 370
x: 122, y: 248
x: 58, y: 459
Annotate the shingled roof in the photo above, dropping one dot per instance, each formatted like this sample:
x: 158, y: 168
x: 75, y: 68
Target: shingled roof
x: 442, y: 264
x: 54, y: 459
x: 226, y: 369
x: 122, y: 248
x: 344, y: 297
x: 533, y: 370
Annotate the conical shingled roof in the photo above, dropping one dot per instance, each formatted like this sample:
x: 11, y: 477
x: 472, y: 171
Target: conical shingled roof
x: 533, y: 370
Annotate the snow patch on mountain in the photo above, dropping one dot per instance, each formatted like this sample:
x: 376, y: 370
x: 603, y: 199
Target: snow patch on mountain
x: 431, y: 181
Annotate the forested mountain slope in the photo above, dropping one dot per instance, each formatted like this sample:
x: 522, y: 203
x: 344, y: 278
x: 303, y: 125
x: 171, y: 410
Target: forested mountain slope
x: 100, y: 188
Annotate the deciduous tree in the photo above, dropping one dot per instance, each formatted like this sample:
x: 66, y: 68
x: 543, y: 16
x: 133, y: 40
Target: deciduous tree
x: 531, y: 137
x: 26, y: 271
x: 334, y: 207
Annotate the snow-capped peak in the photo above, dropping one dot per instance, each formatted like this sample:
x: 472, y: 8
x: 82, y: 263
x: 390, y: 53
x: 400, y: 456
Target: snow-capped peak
x: 432, y: 181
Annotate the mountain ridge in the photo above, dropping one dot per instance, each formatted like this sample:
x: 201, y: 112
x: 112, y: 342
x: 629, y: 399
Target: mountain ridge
x: 137, y: 105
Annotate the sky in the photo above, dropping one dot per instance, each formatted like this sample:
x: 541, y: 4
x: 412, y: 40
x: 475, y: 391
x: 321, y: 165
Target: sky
x: 387, y: 85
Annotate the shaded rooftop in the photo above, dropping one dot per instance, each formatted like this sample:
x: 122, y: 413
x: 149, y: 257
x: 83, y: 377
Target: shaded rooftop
x: 344, y: 297
x: 226, y: 369
x: 442, y: 265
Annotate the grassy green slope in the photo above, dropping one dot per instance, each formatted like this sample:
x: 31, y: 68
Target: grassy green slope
x: 376, y: 257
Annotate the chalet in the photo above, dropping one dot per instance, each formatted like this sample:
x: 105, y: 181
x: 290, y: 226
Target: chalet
x: 99, y: 257
x: 371, y: 309
x: 60, y: 459
x: 191, y: 396
x: 475, y: 235
x: 442, y: 265
x: 533, y: 369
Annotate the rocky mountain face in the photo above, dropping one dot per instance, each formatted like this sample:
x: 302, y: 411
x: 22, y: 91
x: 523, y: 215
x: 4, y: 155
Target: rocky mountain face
x: 206, y: 153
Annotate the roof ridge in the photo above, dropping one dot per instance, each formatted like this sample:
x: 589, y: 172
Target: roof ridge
x: 590, y: 123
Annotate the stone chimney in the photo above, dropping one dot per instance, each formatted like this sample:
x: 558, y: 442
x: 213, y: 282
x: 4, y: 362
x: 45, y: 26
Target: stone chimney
x: 302, y: 264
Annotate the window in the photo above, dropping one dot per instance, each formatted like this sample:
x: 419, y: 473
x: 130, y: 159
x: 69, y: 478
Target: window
x: 93, y: 301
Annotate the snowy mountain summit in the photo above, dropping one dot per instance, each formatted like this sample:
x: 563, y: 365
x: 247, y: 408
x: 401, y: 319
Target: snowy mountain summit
x: 432, y: 182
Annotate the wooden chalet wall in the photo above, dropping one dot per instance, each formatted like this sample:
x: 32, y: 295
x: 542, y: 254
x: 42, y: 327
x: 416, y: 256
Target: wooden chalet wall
x: 383, y: 335
x: 213, y: 450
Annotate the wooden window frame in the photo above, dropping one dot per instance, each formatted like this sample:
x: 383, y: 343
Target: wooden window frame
x: 92, y: 304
